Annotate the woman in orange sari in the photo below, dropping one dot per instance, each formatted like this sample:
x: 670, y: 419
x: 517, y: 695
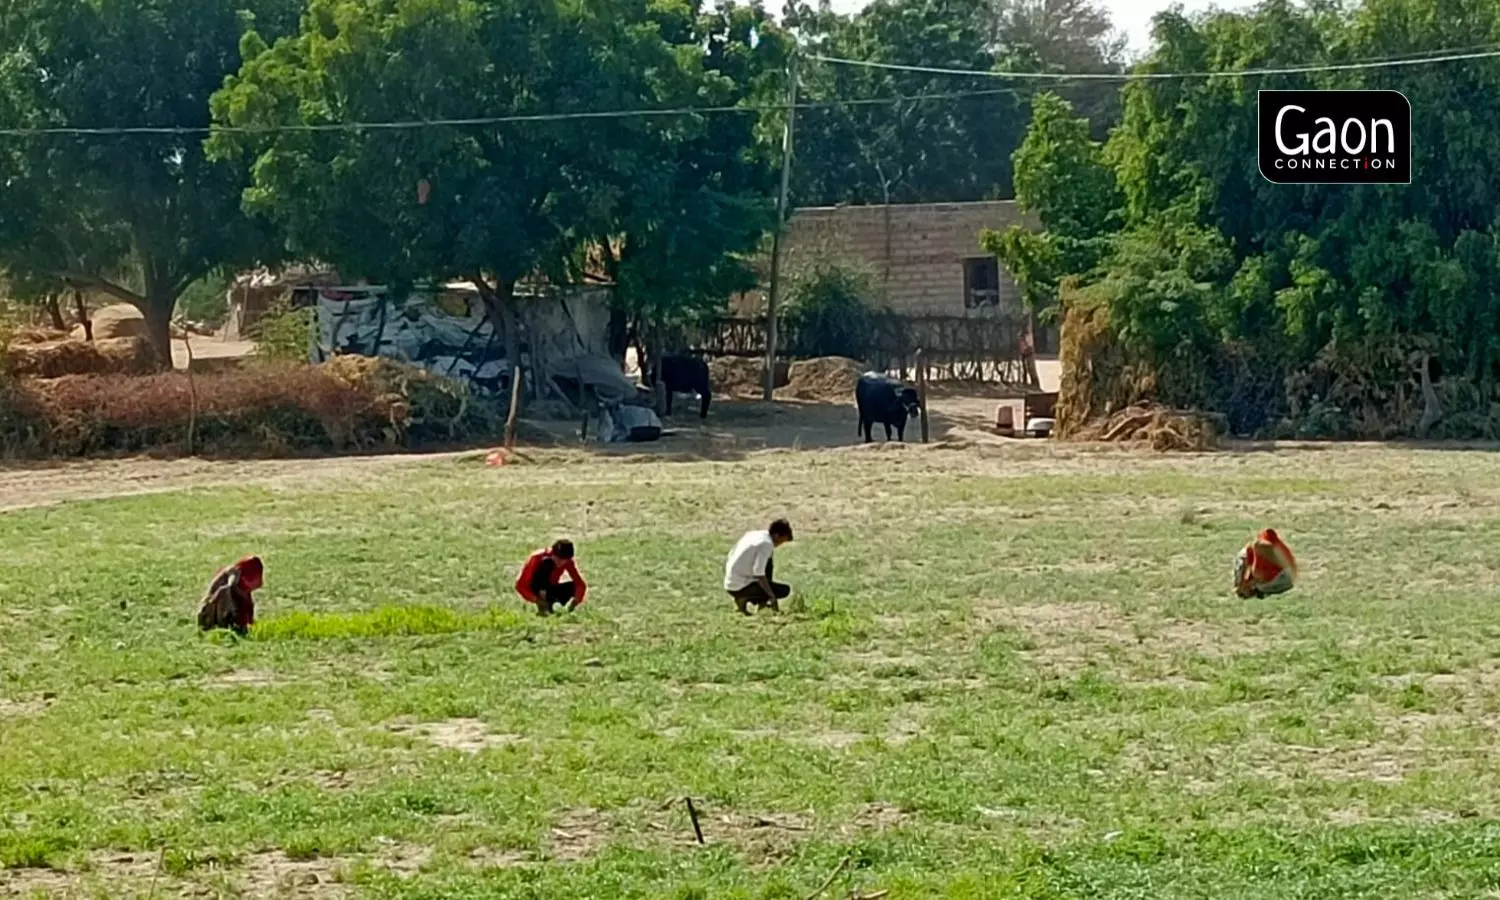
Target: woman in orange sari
x: 1266, y: 566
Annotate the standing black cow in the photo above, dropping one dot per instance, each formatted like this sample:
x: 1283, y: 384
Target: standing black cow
x: 686, y: 375
x: 884, y: 400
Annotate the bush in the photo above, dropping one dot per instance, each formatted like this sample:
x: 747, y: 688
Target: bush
x: 206, y: 301
x: 829, y: 313
x: 274, y: 408
x: 283, y: 333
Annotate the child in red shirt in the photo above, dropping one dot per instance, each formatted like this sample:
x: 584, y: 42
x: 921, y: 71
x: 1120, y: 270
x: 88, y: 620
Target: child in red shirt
x: 540, y: 581
x: 1266, y: 566
x: 230, y: 599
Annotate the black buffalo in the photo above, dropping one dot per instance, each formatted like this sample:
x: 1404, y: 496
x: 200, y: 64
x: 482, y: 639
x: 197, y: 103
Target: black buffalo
x: 884, y: 400
x: 686, y: 375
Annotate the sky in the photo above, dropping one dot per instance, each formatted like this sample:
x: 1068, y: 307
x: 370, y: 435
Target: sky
x: 1132, y: 17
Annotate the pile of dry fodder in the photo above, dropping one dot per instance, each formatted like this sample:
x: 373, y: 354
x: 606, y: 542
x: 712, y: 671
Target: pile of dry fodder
x: 1097, y: 378
x: 1165, y: 429
x: 118, y: 321
x: 56, y: 358
x: 734, y: 376
x: 36, y: 334
x: 830, y: 379
x: 349, y: 404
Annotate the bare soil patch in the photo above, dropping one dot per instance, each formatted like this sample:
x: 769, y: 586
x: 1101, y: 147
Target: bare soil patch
x: 269, y: 875
x: 28, y: 485
x: 244, y: 678
x: 466, y: 735
x: 578, y: 835
x: 275, y: 875
x: 1065, y: 637
x: 16, y: 709
x: 834, y: 740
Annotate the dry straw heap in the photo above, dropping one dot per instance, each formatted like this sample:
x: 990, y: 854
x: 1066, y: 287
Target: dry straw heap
x: 348, y: 404
x: 829, y: 379
x: 1104, y: 396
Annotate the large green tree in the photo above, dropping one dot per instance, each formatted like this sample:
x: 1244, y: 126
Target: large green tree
x: 689, y: 224
x: 138, y: 216
x: 875, y: 150
x: 1321, y: 295
x: 1061, y: 177
x: 857, y: 145
x: 501, y: 200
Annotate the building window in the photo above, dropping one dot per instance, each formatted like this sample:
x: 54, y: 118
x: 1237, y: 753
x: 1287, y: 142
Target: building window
x: 981, y: 283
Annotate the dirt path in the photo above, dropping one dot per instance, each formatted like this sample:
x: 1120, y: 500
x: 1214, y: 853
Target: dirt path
x: 734, y: 429
x: 45, y: 484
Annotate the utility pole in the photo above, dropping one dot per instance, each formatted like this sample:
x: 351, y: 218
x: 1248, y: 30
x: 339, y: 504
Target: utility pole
x: 773, y: 305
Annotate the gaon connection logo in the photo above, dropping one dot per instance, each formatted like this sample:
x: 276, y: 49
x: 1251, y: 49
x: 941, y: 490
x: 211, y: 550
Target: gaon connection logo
x: 1334, y: 137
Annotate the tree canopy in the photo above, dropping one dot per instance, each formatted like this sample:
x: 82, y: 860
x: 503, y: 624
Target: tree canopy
x: 139, y: 216
x: 954, y: 145
x: 1303, y: 303
x: 548, y: 185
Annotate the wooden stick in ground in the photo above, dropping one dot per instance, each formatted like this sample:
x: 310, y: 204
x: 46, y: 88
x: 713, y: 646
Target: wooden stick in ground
x: 515, y: 407
x: 187, y: 343
x: 922, y: 391
x: 843, y: 864
x: 693, y: 814
x: 161, y: 863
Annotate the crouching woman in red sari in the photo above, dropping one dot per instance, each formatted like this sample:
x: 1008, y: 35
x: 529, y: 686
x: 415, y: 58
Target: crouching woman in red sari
x: 230, y: 599
x: 1266, y: 566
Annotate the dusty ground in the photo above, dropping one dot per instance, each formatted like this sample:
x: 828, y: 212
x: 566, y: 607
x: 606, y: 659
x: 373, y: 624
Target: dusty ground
x: 209, y: 350
x: 733, y: 429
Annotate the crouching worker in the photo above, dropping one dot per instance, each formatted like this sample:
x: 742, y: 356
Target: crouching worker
x: 1266, y: 566
x: 230, y: 601
x: 540, y: 581
x: 748, y: 573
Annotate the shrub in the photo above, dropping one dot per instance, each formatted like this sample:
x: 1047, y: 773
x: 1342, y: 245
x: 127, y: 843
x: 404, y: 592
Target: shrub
x: 206, y: 300
x: 284, y: 333
x: 273, y: 408
x: 829, y: 312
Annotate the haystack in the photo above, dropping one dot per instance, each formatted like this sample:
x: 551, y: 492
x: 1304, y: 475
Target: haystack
x: 55, y: 359
x: 1166, y: 430
x: 1097, y: 378
x: 740, y: 377
x: 830, y: 379
x: 119, y: 321
x: 36, y: 335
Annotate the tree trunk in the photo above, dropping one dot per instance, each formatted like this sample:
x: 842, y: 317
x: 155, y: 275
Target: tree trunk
x: 1432, y: 412
x: 499, y: 308
x: 158, y: 314
x: 83, y: 316
x: 54, y: 312
x: 505, y: 298
x: 619, y: 333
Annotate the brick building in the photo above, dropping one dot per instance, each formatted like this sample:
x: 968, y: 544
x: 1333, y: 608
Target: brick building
x: 924, y: 258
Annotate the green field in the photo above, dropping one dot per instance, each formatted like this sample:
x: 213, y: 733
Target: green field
x: 1021, y: 673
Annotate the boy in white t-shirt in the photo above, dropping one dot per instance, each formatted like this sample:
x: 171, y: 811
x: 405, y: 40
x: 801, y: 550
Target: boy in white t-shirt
x: 747, y: 574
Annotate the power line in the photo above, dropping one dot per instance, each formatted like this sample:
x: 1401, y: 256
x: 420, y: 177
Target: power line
x: 414, y: 124
x: 1160, y: 76
x: 1443, y: 56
